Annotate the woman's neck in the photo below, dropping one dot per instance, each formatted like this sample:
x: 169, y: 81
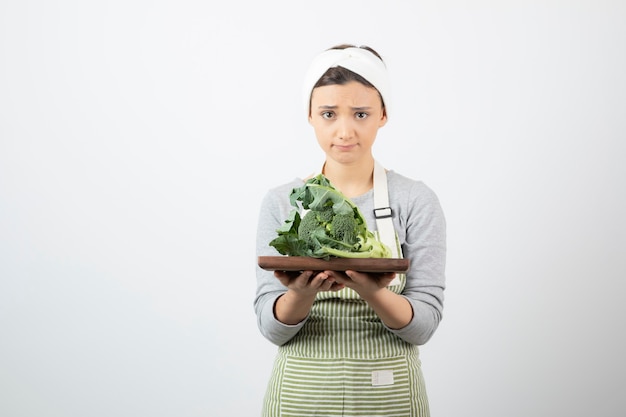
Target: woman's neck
x: 352, y: 180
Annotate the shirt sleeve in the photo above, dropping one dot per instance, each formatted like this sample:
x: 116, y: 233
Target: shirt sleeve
x: 274, y: 209
x: 422, y: 231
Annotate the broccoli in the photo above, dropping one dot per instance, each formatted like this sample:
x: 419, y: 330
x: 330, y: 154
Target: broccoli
x: 344, y: 227
x: 333, y: 226
x: 310, y: 225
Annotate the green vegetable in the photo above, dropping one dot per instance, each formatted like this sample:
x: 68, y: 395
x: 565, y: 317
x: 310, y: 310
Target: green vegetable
x: 333, y: 226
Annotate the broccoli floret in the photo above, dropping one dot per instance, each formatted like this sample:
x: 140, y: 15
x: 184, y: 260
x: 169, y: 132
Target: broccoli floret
x: 333, y: 226
x: 311, y: 224
x: 325, y: 215
x: 345, y: 228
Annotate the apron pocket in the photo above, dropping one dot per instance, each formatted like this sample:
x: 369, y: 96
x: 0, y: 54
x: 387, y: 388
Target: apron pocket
x: 345, y: 387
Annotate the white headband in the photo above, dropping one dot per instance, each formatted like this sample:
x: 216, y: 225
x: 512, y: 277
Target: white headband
x: 357, y: 60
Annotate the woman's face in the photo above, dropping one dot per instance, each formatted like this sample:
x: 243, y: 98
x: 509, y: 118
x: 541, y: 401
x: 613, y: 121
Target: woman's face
x: 346, y: 119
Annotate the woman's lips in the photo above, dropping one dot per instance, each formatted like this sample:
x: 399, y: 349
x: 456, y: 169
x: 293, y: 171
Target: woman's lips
x: 344, y: 147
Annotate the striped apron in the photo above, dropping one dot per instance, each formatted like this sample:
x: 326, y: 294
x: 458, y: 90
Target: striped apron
x: 344, y: 362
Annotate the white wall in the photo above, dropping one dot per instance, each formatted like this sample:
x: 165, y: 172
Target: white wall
x: 138, y: 137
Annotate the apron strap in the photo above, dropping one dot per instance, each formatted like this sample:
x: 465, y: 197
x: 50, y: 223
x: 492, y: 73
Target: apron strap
x: 383, y: 212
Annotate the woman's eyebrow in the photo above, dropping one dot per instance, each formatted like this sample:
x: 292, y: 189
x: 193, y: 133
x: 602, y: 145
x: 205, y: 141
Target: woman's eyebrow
x: 332, y: 107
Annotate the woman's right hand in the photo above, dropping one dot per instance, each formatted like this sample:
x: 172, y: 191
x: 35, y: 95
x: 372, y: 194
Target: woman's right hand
x: 294, y: 306
x: 307, y: 282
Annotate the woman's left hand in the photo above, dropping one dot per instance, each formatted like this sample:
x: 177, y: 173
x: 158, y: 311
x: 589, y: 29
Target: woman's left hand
x: 393, y: 309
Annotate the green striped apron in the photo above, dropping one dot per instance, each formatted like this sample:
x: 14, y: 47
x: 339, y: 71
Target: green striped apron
x: 344, y: 362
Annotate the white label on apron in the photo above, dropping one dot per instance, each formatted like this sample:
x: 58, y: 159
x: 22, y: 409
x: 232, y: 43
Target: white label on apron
x: 384, y: 377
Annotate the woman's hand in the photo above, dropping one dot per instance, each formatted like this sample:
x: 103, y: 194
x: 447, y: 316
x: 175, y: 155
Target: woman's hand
x: 294, y: 306
x: 307, y: 283
x: 363, y: 283
x: 393, y: 309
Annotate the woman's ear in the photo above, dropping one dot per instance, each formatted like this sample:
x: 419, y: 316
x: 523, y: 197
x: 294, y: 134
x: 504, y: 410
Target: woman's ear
x: 383, y: 119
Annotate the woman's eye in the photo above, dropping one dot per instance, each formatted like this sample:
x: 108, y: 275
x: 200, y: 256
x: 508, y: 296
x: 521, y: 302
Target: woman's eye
x: 361, y: 115
x: 327, y: 115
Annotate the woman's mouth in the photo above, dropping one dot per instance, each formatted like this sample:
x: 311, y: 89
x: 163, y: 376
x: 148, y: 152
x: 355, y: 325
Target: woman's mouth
x: 344, y: 148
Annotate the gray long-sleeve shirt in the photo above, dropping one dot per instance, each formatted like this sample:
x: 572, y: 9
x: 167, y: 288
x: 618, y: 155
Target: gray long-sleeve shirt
x: 421, y: 227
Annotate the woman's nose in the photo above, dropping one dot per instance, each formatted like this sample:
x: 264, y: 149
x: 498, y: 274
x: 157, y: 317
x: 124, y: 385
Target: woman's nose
x: 345, y: 128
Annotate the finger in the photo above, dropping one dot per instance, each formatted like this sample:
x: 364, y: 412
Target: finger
x: 338, y: 276
x: 388, y: 275
x: 356, y: 276
x: 331, y: 285
x: 293, y: 279
x: 283, y: 277
x: 333, y: 280
x: 319, y: 280
x: 326, y: 285
x: 280, y: 274
x: 304, y: 278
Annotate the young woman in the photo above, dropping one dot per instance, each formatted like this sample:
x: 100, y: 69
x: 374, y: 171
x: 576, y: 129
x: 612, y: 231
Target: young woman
x: 348, y: 341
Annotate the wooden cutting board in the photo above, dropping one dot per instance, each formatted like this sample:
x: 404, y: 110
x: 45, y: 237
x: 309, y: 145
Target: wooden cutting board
x: 305, y: 263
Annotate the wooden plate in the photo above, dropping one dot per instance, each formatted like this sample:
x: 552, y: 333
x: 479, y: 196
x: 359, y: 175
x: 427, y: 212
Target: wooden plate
x: 305, y: 263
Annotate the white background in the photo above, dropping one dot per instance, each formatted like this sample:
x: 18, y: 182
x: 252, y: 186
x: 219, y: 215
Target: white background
x: 138, y: 137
